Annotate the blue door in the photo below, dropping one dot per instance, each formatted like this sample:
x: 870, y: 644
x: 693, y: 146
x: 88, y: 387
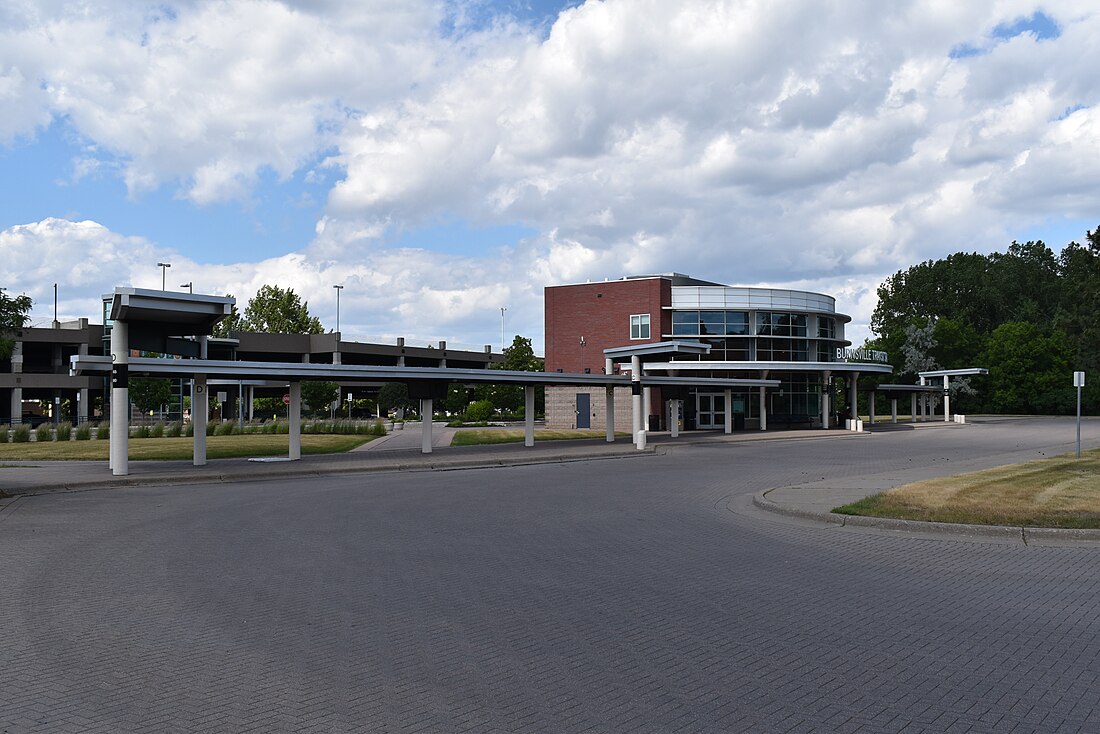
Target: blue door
x: 584, y: 410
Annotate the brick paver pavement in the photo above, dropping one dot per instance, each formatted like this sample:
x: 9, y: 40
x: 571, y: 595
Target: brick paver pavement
x: 618, y: 595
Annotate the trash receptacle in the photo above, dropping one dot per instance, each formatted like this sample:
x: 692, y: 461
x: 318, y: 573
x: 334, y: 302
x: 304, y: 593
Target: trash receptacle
x: 654, y: 423
x: 738, y: 421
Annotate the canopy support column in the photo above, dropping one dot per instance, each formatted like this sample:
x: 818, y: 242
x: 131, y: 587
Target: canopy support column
x: 120, y: 399
x: 826, y: 391
x: 893, y: 409
x: 946, y: 400
x: 528, y: 415
x: 636, y: 401
x: 674, y: 418
x: 763, y: 403
x: 853, y: 409
x: 913, y: 407
x: 295, y: 415
x: 727, y: 417
x: 200, y: 409
x: 426, y: 425
x: 609, y: 412
x: 871, y: 407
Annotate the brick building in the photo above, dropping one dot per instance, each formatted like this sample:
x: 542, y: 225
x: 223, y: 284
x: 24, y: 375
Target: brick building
x: 796, y: 337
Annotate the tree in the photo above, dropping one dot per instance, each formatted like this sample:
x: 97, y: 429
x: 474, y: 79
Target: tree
x: 394, y: 396
x: 13, y: 315
x: 150, y: 393
x: 520, y: 357
x: 1029, y: 371
x: 276, y: 310
x: 319, y: 395
x: 232, y: 322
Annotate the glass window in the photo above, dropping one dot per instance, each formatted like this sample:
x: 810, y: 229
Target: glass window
x: 712, y: 322
x: 639, y: 326
x: 763, y: 323
x: 826, y: 327
x: 737, y: 323
x: 685, y: 323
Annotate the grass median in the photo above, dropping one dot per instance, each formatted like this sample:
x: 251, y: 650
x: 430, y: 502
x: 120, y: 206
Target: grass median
x: 510, y: 435
x: 169, y: 449
x: 1059, y: 492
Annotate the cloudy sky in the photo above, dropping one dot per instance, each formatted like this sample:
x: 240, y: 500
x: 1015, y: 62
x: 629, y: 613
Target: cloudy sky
x: 441, y: 159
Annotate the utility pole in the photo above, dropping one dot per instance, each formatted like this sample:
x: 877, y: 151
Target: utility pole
x: 338, y: 289
x: 502, y: 310
x: 163, y: 272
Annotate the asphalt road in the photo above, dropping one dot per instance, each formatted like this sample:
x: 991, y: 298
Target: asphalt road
x: 640, y: 594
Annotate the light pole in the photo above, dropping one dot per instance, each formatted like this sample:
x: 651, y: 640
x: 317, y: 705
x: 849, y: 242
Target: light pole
x: 338, y: 289
x: 163, y: 272
x: 189, y: 286
x: 502, y: 310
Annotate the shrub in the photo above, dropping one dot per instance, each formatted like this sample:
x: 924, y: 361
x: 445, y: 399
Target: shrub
x: 173, y: 430
x: 64, y: 431
x: 4, y: 433
x: 44, y: 433
x: 211, y: 427
x: 143, y: 432
x: 83, y: 432
x: 21, y: 433
x: 378, y: 428
x: 479, y: 410
x: 158, y: 429
x: 225, y: 428
x: 103, y: 431
x: 189, y: 430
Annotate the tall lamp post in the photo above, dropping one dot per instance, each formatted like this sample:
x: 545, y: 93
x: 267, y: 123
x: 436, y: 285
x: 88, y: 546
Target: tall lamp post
x: 502, y: 310
x: 190, y: 286
x: 338, y: 289
x: 163, y: 272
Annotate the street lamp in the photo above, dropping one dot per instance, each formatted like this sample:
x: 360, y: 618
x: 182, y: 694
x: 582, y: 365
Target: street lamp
x: 338, y: 289
x: 189, y: 286
x: 163, y: 271
x: 502, y: 310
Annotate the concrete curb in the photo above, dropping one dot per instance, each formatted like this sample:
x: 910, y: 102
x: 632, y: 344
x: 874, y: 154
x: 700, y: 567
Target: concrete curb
x: 1010, y: 532
x: 291, y: 472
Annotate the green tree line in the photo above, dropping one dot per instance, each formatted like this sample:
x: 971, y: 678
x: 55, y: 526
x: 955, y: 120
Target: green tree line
x: 1028, y: 315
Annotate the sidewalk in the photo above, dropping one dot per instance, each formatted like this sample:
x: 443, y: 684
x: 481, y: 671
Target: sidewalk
x: 397, y: 451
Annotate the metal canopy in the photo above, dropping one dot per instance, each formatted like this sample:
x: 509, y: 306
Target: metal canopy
x: 773, y: 366
x: 283, y: 372
x: 906, y: 388
x: 954, y: 373
x: 622, y: 354
x: 169, y: 313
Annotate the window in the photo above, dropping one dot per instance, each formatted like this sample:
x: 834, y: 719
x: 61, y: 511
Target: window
x: 639, y: 326
x: 685, y: 323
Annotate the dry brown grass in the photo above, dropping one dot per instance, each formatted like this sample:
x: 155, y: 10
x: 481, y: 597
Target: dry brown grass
x: 160, y: 449
x: 1062, y: 491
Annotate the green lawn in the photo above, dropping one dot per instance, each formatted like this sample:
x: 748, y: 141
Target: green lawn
x: 511, y: 435
x: 163, y: 449
x: 1059, y: 492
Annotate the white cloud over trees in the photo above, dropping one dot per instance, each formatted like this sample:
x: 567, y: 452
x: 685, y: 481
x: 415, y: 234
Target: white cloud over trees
x: 822, y: 146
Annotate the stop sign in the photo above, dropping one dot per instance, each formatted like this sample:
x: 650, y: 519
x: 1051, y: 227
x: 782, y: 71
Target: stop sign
x: 286, y: 400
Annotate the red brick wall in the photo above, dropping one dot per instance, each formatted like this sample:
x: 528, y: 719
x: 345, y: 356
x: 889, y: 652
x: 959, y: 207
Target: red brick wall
x: 600, y: 312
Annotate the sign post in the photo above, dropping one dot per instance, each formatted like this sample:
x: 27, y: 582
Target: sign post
x: 1078, y: 382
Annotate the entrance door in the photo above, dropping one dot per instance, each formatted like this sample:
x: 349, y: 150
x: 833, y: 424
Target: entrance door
x: 584, y: 410
x: 710, y: 410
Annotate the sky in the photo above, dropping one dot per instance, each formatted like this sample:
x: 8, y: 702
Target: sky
x: 442, y: 159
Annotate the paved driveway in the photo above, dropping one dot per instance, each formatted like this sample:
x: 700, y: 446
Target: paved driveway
x: 641, y: 594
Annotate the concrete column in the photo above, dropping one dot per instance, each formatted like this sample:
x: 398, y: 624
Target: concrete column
x: 608, y: 366
x: 923, y: 401
x: 528, y: 415
x: 893, y: 409
x: 727, y: 419
x: 763, y: 402
x: 251, y: 402
x: 200, y: 410
x: 120, y: 399
x: 647, y: 401
x: 16, y: 406
x: 871, y: 407
x: 82, y: 405
x: 295, y: 419
x: 946, y: 400
x: 674, y: 418
x: 426, y: 426
x: 913, y: 407
x: 609, y: 412
x: 853, y: 396
x: 636, y: 401
x: 826, y: 393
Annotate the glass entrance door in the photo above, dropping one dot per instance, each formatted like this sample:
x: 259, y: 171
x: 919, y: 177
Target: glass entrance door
x: 710, y: 410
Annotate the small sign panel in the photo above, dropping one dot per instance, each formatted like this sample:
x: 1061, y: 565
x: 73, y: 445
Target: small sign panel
x: 1078, y: 379
x: 286, y: 399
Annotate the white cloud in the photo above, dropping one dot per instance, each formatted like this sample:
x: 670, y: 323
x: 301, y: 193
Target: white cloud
x: 739, y: 141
